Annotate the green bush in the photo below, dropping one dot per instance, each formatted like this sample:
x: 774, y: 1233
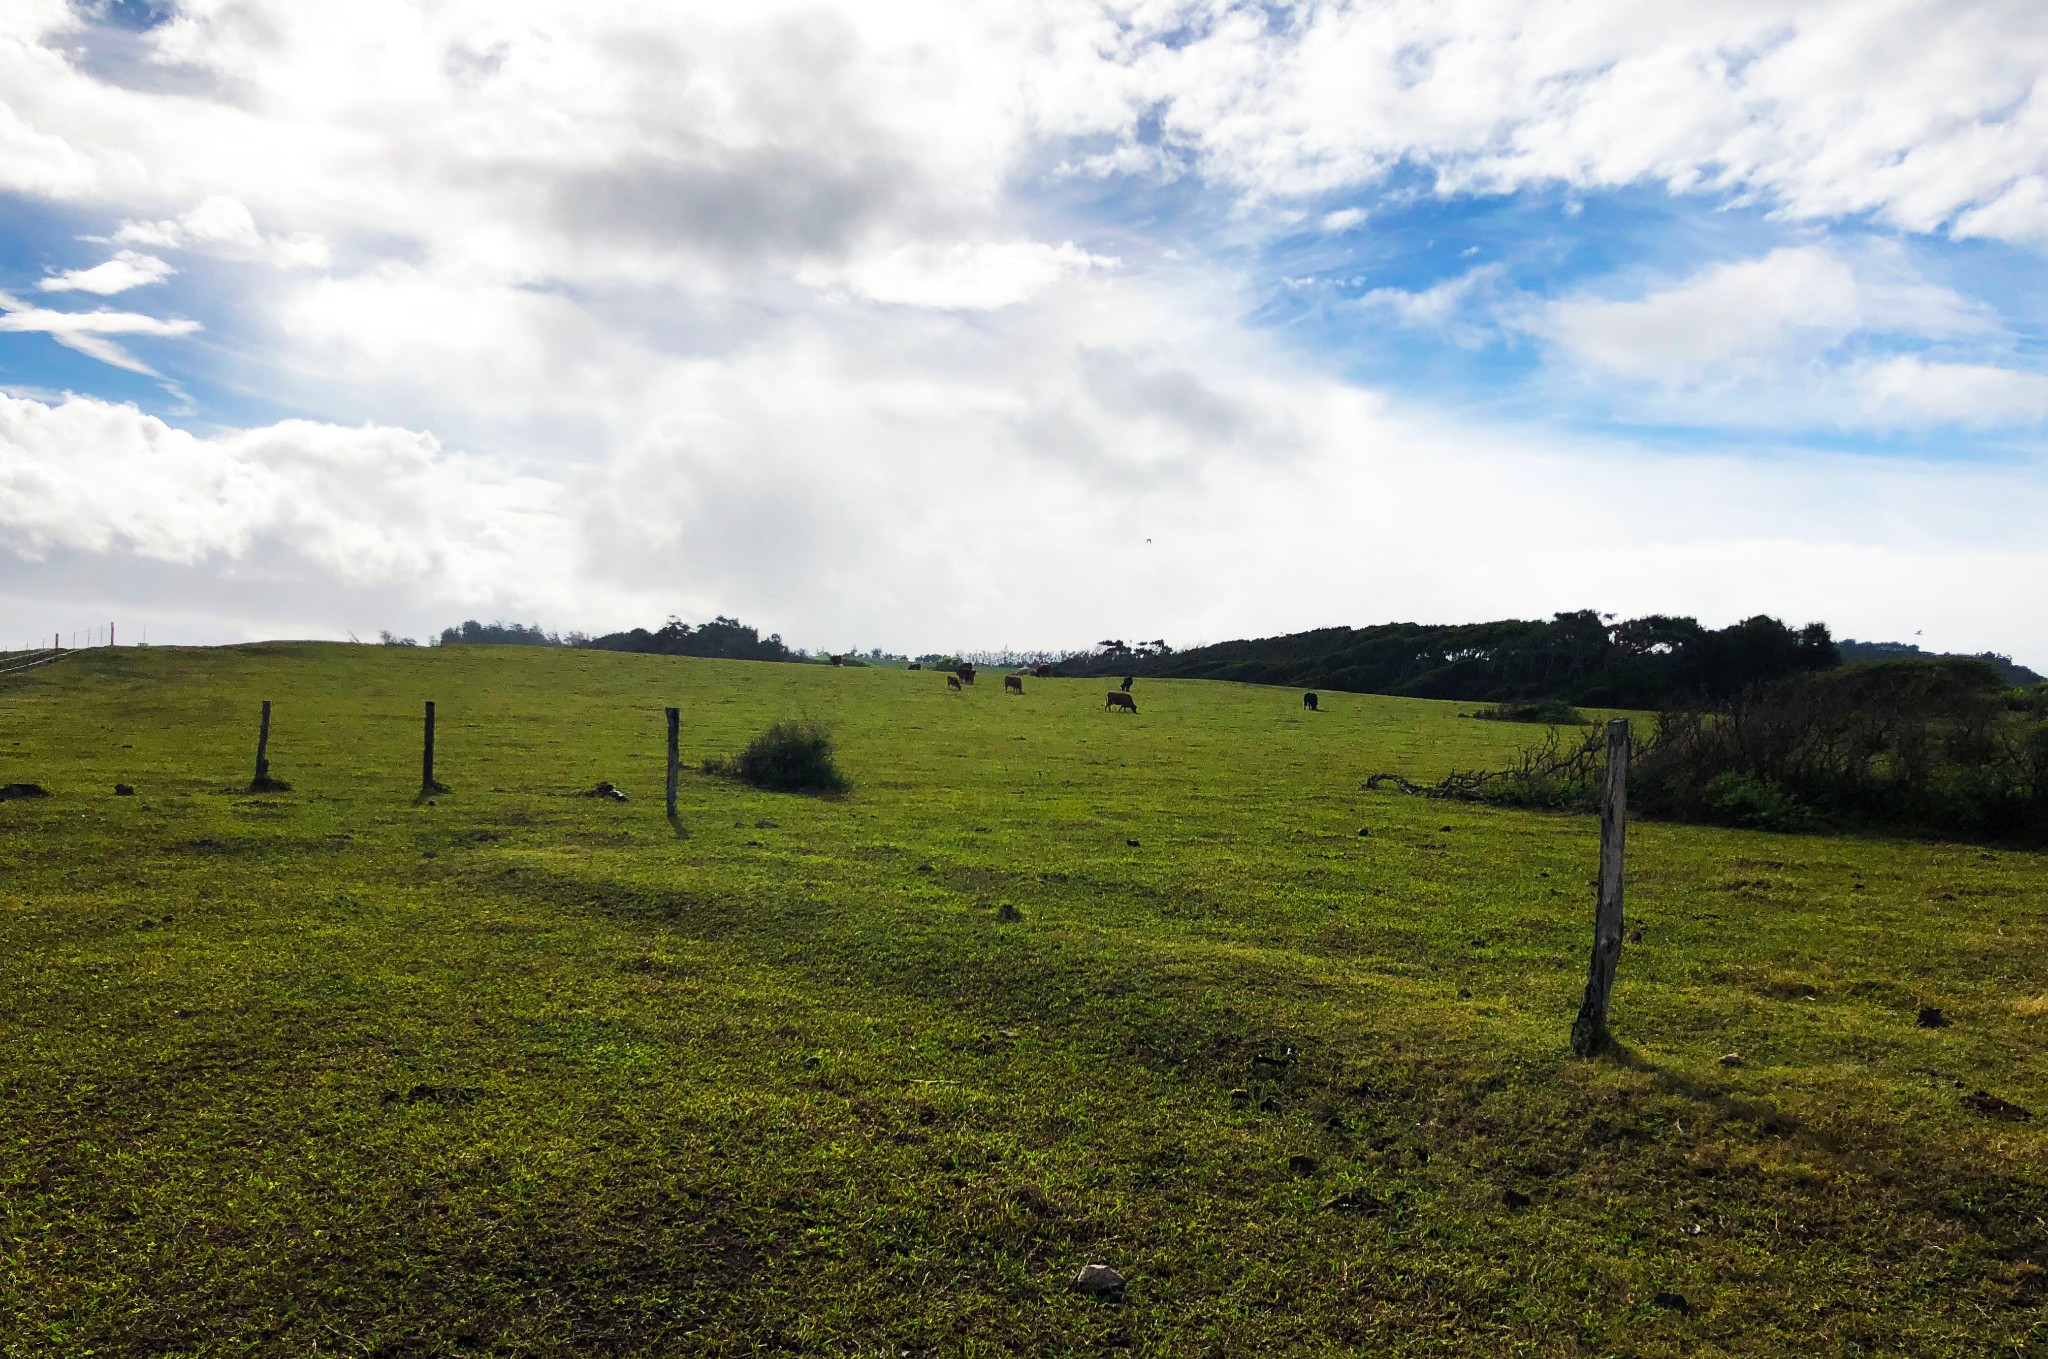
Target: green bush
x: 1552, y: 712
x: 1757, y: 803
x: 789, y: 757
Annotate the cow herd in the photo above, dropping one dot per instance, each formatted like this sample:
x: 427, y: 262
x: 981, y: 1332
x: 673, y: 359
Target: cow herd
x: 1116, y: 700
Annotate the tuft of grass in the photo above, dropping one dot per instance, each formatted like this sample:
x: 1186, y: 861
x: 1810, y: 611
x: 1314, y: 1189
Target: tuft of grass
x: 789, y: 757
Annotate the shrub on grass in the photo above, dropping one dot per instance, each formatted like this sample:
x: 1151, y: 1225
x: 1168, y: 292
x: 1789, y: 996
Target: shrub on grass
x: 1553, y: 712
x: 789, y: 757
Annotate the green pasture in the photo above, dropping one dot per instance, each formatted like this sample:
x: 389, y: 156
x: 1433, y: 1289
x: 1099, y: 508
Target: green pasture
x: 521, y: 1072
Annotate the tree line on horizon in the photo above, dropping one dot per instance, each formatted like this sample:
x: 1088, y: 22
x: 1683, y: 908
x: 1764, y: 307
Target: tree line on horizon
x: 1579, y: 657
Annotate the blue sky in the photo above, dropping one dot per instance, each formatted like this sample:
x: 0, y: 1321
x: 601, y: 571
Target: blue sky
x: 911, y: 325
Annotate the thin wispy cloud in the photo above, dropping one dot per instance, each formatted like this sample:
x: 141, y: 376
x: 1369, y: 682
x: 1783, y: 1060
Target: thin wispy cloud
x: 88, y: 331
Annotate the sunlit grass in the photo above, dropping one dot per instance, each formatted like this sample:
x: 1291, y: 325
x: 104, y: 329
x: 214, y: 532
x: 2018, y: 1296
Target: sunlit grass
x: 519, y: 1071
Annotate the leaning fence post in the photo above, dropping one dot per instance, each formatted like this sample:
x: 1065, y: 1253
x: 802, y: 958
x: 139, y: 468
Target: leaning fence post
x: 262, y: 749
x: 675, y: 767
x: 1589, y: 1031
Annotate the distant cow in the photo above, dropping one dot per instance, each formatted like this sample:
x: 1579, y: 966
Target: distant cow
x: 1308, y: 701
x: 1042, y: 671
x: 1129, y: 680
x: 966, y: 672
x: 1013, y: 684
x: 839, y: 660
x: 916, y: 666
x: 1116, y: 699
x: 952, y: 681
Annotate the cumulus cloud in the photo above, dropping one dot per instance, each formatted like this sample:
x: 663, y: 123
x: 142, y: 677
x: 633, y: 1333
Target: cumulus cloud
x: 87, y: 331
x: 223, y: 226
x: 128, y: 269
x: 363, y: 505
x: 1929, y: 114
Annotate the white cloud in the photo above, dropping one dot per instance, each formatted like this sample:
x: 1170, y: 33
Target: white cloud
x: 364, y: 505
x: 1751, y: 320
x: 964, y: 276
x: 1929, y: 114
x: 87, y: 331
x: 1913, y: 391
x: 1343, y: 219
x: 128, y: 269
x: 1463, y: 308
x: 222, y: 226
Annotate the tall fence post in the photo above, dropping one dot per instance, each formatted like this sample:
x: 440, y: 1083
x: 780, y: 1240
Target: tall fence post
x: 1589, y: 1031
x: 427, y: 783
x: 675, y: 767
x: 263, y: 749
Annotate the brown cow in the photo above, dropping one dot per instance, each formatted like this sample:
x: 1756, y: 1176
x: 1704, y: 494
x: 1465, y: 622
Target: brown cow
x: 1013, y: 684
x: 1116, y: 699
x: 1042, y: 671
x: 952, y: 681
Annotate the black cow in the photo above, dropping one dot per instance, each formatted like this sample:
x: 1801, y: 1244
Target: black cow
x: 1308, y: 701
x: 1129, y: 680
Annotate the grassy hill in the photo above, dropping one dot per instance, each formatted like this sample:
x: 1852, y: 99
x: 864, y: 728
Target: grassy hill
x: 516, y: 1071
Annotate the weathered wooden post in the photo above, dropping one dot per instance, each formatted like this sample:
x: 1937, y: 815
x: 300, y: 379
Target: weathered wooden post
x: 427, y: 784
x: 1589, y: 1031
x: 675, y: 767
x: 263, y: 750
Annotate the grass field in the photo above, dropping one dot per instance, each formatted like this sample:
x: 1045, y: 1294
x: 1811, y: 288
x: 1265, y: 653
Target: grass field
x: 522, y: 1072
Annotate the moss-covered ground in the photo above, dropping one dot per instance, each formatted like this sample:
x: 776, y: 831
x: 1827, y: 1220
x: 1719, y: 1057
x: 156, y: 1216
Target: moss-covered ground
x: 516, y: 1071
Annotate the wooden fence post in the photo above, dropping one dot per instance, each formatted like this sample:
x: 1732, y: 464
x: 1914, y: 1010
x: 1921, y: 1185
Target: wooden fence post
x: 675, y: 767
x: 427, y: 784
x: 1589, y: 1031
x: 263, y: 749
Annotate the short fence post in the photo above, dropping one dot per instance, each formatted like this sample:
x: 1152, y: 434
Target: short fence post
x: 1589, y: 1031
x: 263, y: 749
x: 674, y: 763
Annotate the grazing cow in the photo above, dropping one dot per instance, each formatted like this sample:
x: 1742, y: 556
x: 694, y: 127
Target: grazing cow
x: 839, y: 660
x: 952, y: 681
x: 1129, y: 680
x: 1013, y: 684
x: 966, y: 672
x: 1308, y: 701
x: 1042, y: 671
x: 1119, y: 700
x: 914, y: 665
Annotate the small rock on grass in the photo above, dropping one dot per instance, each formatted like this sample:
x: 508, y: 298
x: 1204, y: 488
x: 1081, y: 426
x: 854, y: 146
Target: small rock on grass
x: 1098, y: 1281
x: 1931, y: 1017
x: 124, y: 790
x: 12, y: 791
